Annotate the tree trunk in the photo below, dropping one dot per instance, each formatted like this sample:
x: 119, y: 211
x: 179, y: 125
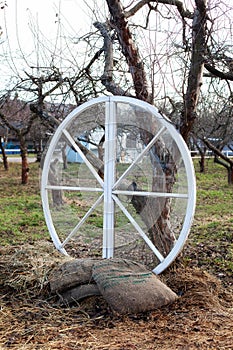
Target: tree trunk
x: 64, y: 156
x: 202, y: 163
x: 130, y: 50
x: 228, y: 166
x: 24, y: 157
x: 202, y: 159
x: 4, y: 157
x: 54, y: 179
x: 196, y: 68
x: 230, y: 175
x: 161, y: 232
x: 38, y: 151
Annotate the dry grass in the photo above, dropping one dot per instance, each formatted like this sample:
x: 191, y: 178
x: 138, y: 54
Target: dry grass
x: 30, y: 318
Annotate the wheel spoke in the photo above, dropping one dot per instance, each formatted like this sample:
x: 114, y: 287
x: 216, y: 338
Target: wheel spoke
x: 109, y: 180
x: 82, y: 155
x: 138, y: 228
x: 151, y: 194
x: 74, y: 188
x: 139, y: 157
x: 81, y: 222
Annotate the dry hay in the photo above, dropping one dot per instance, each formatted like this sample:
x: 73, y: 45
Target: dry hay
x: 30, y: 318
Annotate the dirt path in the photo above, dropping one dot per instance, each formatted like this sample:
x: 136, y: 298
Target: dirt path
x: 18, y: 159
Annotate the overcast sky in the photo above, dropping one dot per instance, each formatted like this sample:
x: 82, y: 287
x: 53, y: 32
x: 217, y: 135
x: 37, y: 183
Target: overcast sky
x: 30, y: 25
x: 21, y: 18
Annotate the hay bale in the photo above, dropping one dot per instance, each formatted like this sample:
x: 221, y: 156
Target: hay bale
x: 129, y: 287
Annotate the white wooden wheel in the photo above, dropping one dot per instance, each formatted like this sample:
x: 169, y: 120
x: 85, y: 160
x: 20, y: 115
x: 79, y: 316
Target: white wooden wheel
x: 118, y: 180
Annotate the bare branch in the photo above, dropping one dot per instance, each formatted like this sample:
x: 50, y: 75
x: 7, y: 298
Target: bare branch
x: 217, y: 151
x: 217, y: 73
x: 129, y: 49
x: 7, y: 123
x: 94, y: 58
x: 107, y: 77
x: 179, y: 5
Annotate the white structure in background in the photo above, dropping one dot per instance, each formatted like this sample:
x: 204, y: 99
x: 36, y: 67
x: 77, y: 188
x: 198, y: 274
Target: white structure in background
x: 128, y: 148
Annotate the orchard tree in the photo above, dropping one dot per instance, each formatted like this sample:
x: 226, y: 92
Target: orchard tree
x: 16, y: 116
x: 117, y: 31
x: 198, y: 46
x: 213, y: 129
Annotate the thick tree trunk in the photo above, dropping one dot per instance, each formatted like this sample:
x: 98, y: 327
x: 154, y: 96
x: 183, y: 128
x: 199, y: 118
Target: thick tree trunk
x: 196, y: 68
x: 202, y: 163
x: 162, y: 232
x: 130, y: 50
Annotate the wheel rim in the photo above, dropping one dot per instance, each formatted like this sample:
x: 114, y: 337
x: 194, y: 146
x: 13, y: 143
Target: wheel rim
x: 131, y: 172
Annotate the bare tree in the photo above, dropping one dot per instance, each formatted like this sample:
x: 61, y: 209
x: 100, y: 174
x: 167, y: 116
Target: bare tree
x: 46, y: 93
x: 214, y: 131
x: 161, y: 232
x: 16, y: 116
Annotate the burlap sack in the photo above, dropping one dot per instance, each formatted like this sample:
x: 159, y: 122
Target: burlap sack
x: 78, y: 293
x: 129, y: 287
x: 71, y: 274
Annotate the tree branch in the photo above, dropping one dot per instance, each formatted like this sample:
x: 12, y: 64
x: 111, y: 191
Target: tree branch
x: 5, y: 122
x: 179, y: 5
x: 217, y: 152
x: 94, y: 58
x: 217, y: 73
x: 107, y: 77
x: 129, y: 49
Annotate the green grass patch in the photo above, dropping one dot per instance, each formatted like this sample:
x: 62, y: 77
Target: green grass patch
x: 21, y: 215
x: 211, y: 237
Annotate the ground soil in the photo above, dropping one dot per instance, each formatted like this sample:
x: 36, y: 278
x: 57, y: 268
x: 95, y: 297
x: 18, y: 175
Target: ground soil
x: 31, y: 317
